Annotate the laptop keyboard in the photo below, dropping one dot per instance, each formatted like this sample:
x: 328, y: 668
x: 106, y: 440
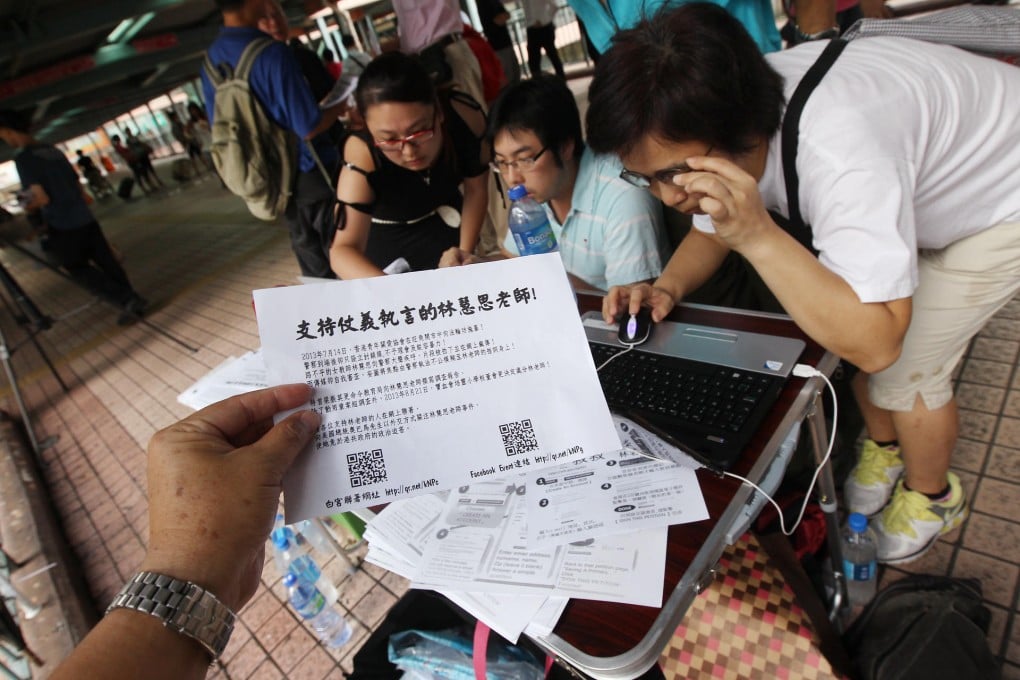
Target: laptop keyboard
x: 707, y: 407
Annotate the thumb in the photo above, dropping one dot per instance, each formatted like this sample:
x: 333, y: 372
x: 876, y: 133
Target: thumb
x: 284, y: 441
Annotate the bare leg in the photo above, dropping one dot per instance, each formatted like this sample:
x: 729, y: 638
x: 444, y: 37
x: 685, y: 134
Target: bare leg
x: 927, y: 439
x: 878, y: 421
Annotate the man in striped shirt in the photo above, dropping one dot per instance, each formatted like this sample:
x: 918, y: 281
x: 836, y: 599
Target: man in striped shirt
x: 608, y: 232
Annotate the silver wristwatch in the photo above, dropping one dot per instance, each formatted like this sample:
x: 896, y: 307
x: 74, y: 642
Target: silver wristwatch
x: 181, y: 606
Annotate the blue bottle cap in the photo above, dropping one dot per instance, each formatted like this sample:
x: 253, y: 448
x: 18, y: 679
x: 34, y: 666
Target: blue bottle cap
x: 289, y: 579
x: 516, y: 192
x: 857, y: 522
x: 281, y: 537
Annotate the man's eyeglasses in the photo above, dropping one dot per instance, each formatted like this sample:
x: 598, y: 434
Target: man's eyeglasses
x: 521, y: 164
x: 667, y: 176
x: 414, y: 139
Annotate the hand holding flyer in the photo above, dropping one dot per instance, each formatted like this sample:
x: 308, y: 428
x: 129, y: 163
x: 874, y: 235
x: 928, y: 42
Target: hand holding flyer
x: 432, y: 379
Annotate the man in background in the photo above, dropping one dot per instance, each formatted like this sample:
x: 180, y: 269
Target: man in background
x: 494, y: 18
x: 432, y: 28
x: 52, y: 189
x: 279, y: 85
x: 356, y: 60
x: 539, y: 15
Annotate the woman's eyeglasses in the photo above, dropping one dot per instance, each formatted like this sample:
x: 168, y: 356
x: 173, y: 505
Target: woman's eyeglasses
x: 520, y: 164
x: 667, y: 176
x: 414, y: 139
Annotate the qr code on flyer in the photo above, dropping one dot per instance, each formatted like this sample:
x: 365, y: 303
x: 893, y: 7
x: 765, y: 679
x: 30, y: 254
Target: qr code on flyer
x: 366, y: 467
x: 518, y: 437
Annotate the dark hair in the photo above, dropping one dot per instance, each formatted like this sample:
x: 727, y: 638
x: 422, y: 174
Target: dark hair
x: 397, y: 77
x: 15, y: 120
x: 394, y: 77
x: 347, y: 40
x: 545, y: 106
x: 229, y: 5
x: 687, y: 73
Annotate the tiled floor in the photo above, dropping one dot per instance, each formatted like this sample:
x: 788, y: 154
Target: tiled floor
x: 196, y: 255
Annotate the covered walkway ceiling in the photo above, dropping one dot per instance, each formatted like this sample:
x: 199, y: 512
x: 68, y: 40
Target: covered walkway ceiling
x: 75, y: 64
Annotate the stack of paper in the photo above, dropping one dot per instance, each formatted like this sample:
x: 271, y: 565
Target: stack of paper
x: 511, y: 551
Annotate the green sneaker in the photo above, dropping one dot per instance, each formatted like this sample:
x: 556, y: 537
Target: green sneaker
x: 912, y: 522
x: 870, y: 484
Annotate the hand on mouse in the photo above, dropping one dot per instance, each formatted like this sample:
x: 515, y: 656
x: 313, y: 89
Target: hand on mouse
x: 631, y: 298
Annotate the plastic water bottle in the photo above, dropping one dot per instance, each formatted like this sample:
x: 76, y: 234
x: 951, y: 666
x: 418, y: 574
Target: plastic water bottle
x: 291, y: 558
x: 313, y: 532
x: 859, y: 564
x: 529, y: 224
x: 329, y: 624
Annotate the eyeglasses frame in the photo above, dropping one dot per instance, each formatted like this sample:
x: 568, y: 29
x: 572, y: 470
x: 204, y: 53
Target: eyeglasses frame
x: 524, y: 165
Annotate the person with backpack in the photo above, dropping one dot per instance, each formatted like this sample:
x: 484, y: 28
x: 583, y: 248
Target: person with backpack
x: 400, y: 187
x: 906, y: 171
x: 280, y: 164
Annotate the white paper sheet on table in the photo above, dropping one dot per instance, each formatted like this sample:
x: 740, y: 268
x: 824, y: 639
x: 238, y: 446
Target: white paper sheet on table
x: 480, y: 543
x: 396, y: 539
x: 235, y: 375
x: 431, y: 379
x: 635, y: 437
x: 609, y: 493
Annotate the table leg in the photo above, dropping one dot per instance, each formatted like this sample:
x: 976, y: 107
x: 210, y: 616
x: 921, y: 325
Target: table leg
x: 827, y: 501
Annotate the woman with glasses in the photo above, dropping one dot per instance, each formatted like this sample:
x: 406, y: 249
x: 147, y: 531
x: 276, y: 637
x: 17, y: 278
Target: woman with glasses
x: 400, y: 185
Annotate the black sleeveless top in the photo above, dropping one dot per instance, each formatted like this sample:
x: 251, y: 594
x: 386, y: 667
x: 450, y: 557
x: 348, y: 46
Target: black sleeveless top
x: 404, y: 219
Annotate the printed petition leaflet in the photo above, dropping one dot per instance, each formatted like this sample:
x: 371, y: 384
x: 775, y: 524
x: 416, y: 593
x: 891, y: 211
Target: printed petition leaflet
x: 431, y: 379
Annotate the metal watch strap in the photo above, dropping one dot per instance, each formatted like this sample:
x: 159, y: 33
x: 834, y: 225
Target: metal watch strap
x: 181, y: 606
x: 824, y: 34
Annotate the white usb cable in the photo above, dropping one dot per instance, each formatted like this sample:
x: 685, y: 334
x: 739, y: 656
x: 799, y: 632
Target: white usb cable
x: 801, y: 371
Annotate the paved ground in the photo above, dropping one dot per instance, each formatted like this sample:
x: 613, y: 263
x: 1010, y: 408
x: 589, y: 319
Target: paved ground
x: 196, y: 254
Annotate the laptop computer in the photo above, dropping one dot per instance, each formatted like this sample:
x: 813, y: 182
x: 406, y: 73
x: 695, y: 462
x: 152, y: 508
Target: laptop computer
x: 702, y: 389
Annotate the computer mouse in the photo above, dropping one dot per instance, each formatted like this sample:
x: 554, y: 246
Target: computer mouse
x: 637, y: 328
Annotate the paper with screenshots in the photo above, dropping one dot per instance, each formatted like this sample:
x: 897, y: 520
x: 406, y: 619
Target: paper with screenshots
x: 396, y: 539
x: 609, y: 493
x: 427, y: 380
x: 480, y: 543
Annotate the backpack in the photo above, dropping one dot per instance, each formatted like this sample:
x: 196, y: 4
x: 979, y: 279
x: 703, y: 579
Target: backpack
x: 255, y: 157
x: 923, y: 627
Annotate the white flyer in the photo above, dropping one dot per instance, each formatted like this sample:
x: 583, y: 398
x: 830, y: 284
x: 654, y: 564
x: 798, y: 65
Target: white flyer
x: 609, y: 493
x: 235, y: 375
x: 431, y: 379
x: 480, y: 544
x: 396, y: 539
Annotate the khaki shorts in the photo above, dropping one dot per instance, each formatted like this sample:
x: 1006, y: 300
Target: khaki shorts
x: 959, y: 288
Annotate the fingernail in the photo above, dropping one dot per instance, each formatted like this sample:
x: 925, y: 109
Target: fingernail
x: 309, y: 420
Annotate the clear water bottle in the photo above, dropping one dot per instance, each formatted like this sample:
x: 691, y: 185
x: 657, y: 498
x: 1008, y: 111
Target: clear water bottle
x: 529, y: 224
x: 291, y: 558
x: 859, y: 565
x: 329, y: 624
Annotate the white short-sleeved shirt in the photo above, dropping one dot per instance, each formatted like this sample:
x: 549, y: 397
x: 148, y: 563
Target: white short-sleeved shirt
x: 904, y: 145
x: 613, y: 234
